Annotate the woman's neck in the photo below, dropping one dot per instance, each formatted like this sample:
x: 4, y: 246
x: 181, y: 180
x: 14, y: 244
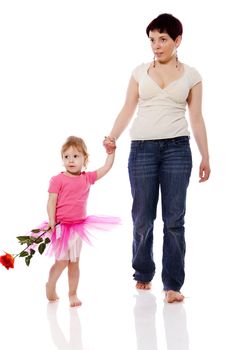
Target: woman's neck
x: 171, y: 63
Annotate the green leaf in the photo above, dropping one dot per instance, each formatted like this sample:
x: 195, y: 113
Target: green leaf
x: 47, y: 240
x: 36, y: 230
x: 36, y: 240
x: 41, y: 248
x: 22, y: 254
x: 32, y: 251
x: 23, y: 239
x: 28, y: 260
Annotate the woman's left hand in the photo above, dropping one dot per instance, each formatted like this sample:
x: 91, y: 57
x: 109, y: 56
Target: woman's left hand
x: 204, y: 171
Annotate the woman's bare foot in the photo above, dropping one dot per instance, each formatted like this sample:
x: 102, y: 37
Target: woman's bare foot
x: 51, y: 293
x: 143, y: 285
x: 74, y: 301
x: 172, y: 296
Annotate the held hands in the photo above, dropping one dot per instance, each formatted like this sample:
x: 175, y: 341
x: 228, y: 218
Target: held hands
x: 204, y: 170
x: 109, y: 144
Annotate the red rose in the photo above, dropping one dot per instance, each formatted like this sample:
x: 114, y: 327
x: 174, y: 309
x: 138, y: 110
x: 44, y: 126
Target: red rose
x: 7, y: 260
x: 31, y: 241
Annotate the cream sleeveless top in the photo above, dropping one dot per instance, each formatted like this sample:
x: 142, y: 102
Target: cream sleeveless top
x: 161, y: 111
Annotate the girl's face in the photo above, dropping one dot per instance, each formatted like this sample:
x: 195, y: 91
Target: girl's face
x: 73, y: 160
x: 163, y: 46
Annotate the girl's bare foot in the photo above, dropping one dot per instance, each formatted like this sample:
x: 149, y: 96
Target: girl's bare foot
x: 74, y: 301
x: 172, y: 296
x: 143, y: 285
x: 51, y: 293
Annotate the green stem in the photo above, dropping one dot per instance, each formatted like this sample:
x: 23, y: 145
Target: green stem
x: 35, y: 242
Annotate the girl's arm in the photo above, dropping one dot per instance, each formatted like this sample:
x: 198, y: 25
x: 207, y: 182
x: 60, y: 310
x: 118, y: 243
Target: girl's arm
x: 199, y: 130
x: 51, y: 209
x: 106, y: 167
x: 124, y: 116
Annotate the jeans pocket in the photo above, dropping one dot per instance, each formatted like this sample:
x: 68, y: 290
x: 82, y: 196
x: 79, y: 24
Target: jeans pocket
x: 182, y: 141
x: 133, y: 151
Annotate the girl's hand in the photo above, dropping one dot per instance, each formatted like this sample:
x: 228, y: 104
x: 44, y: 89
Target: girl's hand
x: 51, y: 224
x: 109, y: 144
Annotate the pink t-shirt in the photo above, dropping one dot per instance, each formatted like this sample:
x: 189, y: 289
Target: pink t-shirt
x: 72, y: 197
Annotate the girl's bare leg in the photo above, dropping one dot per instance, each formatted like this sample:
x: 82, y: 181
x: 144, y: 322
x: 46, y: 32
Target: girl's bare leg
x: 54, y: 274
x: 73, y: 276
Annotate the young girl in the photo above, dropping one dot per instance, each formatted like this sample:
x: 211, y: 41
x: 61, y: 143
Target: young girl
x: 68, y: 194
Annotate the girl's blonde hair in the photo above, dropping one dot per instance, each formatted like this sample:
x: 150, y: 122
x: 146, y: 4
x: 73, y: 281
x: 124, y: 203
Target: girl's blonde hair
x: 79, y: 144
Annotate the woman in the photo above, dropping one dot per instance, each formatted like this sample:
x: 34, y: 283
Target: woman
x: 160, y: 156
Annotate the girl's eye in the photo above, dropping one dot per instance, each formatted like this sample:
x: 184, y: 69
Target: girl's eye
x: 76, y: 156
x: 66, y: 157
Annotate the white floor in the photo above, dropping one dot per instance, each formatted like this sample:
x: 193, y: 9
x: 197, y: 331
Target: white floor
x: 113, y: 315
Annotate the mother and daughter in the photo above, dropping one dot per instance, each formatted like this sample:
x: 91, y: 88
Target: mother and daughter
x: 160, y: 159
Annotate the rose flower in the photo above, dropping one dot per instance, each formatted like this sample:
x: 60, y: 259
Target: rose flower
x: 7, y: 260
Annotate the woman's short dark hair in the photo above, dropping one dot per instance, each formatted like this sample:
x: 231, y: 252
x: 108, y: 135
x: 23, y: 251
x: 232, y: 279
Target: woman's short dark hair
x: 166, y: 23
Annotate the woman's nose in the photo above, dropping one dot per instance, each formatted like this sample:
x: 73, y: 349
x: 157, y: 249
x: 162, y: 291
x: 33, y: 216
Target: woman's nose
x: 156, y: 45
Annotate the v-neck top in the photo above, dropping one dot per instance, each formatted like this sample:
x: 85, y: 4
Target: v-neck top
x: 161, y: 111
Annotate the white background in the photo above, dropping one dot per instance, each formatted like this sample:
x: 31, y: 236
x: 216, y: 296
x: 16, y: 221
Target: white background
x: 64, y: 70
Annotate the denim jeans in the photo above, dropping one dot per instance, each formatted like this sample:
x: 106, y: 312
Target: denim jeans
x: 163, y: 165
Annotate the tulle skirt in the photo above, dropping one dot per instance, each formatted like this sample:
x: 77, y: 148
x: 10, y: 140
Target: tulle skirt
x: 66, y: 239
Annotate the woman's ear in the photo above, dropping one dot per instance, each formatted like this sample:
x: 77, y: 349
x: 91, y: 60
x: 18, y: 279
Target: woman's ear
x: 178, y: 40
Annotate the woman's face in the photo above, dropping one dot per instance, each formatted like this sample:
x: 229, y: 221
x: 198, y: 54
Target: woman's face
x: 163, y: 46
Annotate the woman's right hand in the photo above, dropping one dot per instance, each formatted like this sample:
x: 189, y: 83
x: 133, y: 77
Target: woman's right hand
x: 109, y: 144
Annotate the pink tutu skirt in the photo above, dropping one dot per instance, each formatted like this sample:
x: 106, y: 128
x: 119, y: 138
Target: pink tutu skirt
x: 66, y: 239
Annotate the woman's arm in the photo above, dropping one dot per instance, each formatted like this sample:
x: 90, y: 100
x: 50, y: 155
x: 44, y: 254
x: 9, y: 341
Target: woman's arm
x: 127, y: 111
x: 199, y: 130
x: 51, y: 209
x: 124, y: 116
x: 106, y: 167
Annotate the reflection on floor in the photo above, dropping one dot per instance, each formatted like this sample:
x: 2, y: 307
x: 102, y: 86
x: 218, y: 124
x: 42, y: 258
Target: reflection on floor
x: 114, y: 315
x: 74, y: 340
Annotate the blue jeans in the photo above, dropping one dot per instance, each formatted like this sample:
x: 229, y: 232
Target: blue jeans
x: 165, y: 165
